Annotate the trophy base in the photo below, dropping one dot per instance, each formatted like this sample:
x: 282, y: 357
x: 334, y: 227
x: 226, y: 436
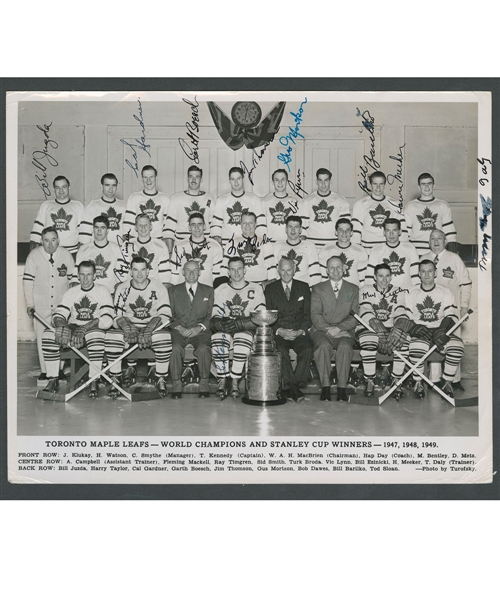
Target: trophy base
x: 276, y: 402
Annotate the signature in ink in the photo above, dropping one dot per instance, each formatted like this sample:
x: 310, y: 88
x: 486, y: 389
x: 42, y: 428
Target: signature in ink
x: 219, y: 351
x: 398, y: 177
x: 254, y: 243
x: 135, y: 166
x: 123, y: 243
x: 43, y: 155
x: 483, y: 223
x: 293, y: 133
x: 121, y: 301
x: 297, y: 189
x: 482, y: 161
x: 205, y: 245
x: 256, y: 158
x: 142, y: 140
x: 368, y: 122
x: 192, y: 131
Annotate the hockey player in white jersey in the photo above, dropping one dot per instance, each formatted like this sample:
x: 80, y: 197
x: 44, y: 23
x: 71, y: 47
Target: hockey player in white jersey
x: 232, y: 326
x: 278, y: 206
x: 401, y: 256
x: 321, y: 210
x: 303, y: 253
x: 184, y: 204
x: 229, y: 208
x: 427, y: 213
x: 107, y: 206
x: 370, y: 212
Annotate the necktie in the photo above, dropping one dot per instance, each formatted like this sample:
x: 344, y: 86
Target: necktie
x: 287, y: 292
x: 336, y: 290
x: 436, y: 259
x: 51, y: 260
x: 191, y: 293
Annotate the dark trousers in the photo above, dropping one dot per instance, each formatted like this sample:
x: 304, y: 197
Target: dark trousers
x: 202, y: 352
x: 303, y: 347
x: 324, y: 345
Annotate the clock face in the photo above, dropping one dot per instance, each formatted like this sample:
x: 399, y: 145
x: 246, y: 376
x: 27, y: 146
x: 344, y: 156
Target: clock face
x: 246, y: 114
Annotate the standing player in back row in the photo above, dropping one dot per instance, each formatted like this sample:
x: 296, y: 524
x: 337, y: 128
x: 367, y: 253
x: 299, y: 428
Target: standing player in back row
x: 229, y: 208
x: 369, y: 215
x: 278, y: 206
x: 321, y: 210
x: 184, y: 204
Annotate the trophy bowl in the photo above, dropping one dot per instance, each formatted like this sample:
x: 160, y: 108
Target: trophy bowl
x: 264, y: 318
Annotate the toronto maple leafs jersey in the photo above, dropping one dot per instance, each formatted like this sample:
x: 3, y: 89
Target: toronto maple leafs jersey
x: 368, y: 216
x: 181, y: 207
x: 430, y: 307
x: 319, y: 215
x: 227, y: 216
x: 140, y: 306
x: 277, y: 210
x: 79, y: 306
x: 44, y: 283
x: 422, y: 216
x: 305, y: 258
x: 208, y: 254
x: 451, y: 272
x: 230, y: 302
x: 354, y: 257
x: 384, y: 306
x: 258, y: 256
x: 155, y: 206
x: 64, y: 217
x: 114, y: 210
x: 156, y: 255
x: 403, y: 261
x: 108, y: 262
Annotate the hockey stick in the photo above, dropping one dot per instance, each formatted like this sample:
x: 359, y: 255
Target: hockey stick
x: 406, y: 361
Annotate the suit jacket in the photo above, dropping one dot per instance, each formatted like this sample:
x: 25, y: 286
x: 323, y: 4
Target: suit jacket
x: 187, y: 313
x: 294, y: 313
x: 328, y: 311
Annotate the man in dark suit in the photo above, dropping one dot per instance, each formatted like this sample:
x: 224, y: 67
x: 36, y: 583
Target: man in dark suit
x: 191, y: 303
x: 292, y: 299
x: 333, y: 326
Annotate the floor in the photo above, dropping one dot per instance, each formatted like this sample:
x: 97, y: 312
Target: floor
x: 192, y: 416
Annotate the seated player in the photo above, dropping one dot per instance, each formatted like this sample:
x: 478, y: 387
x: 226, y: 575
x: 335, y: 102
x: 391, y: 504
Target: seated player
x: 354, y: 257
x: 256, y: 252
x: 192, y: 303
x: 292, y: 299
x: 321, y: 209
x: 303, y: 252
x: 369, y: 215
x: 206, y: 252
x: 401, y: 257
x: 431, y: 312
x: 82, y: 317
x: 278, y: 206
x: 232, y: 326
x: 427, y: 213
x: 379, y: 305
x: 141, y: 306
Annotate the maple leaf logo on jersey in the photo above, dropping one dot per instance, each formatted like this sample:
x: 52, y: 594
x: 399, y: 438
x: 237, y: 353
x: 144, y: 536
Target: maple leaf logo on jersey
x: 195, y: 207
x: 395, y: 263
x: 101, y: 266
x: 382, y: 310
x: 237, y: 306
x: 235, y: 214
x: 143, y: 253
x: 347, y: 264
x: 428, y: 310
x: 197, y: 256
x: 322, y: 212
x: 448, y: 273
x: 150, y: 209
x: 63, y: 270
x: 379, y: 215
x: 249, y: 253
x: 279, y: 213
x: 427, y: 220
x: 114, y: 218
x: 141, y: 309
x: 296, y: 259
x: 85, y: 309
x: 61, y: 219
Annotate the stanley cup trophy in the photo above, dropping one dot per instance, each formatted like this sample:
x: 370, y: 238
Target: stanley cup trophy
x: 263, y: 383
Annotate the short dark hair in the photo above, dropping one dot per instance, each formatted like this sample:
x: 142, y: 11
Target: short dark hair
x: 248, y: 213
x: 425, y: 176
x: 392, y: 221
x: 196, y: 215
x: 139, y: 260
x: 86, y: 264
x: 195, y: 168
x: 236, y: 170
x: 377, y: 174
x: 101, y: 219
x: 426, y: 261
x: 234, y: 259
x: 49, y: 229
x: 60, y: 178
x: 149, y: 168
x: 294, y: 218
x: 323, y: 171
x: 109, y: 176
x: 381, y: 266
x: 279, y: 171
x: 343, y: 221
